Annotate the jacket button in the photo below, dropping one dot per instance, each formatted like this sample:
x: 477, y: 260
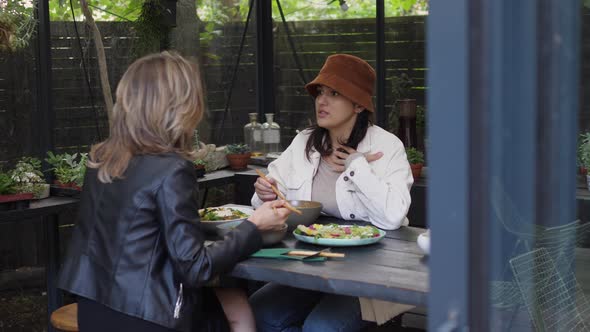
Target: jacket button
x: 351, y: 173
x: 346, y: 178
x: 351, y: 216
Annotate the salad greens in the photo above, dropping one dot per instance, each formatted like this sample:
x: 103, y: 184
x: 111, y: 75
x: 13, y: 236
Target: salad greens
x: 335, y: 231
x: 221, y: 213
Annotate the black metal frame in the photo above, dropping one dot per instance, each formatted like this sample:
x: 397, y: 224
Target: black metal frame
x: 265, y: 101
x: 380, y: 93
x: 43, y: 119
x: 479, y: 133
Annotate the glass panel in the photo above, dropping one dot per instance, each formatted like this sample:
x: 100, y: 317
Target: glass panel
x: 228, y: 64
x: 538, y: 256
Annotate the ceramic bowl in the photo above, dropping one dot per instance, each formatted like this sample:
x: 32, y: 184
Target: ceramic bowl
x: 268, y: 237
x: 311, y: 211
x: 424, y: 242
x: 211, y: 226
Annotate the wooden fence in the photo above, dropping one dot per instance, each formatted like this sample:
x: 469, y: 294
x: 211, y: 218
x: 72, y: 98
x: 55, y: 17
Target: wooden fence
x: 79, y: 108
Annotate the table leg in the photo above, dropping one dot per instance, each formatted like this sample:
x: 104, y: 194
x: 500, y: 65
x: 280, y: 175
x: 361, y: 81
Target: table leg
x: 244, y: 188
x: 54, y: 296
x: 204, y: 200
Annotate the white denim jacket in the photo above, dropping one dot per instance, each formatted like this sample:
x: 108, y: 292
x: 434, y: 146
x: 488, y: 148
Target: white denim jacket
x: 378, y: 192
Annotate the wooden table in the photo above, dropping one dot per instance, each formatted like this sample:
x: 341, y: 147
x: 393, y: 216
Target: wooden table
x: 393, y: 269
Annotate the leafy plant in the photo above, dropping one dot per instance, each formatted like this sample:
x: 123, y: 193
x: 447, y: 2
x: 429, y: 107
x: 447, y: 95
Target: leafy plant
x: 583, y: 153
x: 27, y: 170
x: 17, y: 25
x: 7, y: 185
x: 401, y: 86
x: 67, y: 168
x: 420, y: 117
x: 150, y: 29
x: 237, y: 149
x: 415, y: 156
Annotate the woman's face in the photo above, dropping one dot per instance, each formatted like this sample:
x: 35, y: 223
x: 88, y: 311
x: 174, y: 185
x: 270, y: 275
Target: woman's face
x: 334, y: 111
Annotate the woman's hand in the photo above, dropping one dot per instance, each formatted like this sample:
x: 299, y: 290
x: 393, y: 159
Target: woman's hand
x: 338, y: 157
x: 270, y: 215
x: 263, y: 189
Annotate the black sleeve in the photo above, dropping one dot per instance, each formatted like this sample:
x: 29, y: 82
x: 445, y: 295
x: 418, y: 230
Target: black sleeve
x: 178, y: 212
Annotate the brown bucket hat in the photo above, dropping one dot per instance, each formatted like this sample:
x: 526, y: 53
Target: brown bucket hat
x: 351, y: 76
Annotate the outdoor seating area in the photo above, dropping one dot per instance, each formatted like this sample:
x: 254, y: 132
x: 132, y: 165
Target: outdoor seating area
x: 287, y: 165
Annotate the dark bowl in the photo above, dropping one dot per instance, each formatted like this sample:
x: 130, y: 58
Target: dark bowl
x: 274, y: 236
x: 269, y: 237
x: 311, y: 211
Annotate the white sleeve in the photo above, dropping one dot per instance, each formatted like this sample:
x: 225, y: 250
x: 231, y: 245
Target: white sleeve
x: 276, y: 170
x: 386, y: 198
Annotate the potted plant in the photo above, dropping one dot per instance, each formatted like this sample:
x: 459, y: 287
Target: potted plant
x: 8, y: 191
x: 402, y: 120
x: 238, y: 156
x: 416, y: 160
x: 69, y: 170
x: 28, y: 178
x: 400, y: 89
x: 200, y: 167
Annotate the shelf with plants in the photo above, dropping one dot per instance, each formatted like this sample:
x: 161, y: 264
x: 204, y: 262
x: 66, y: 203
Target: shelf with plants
x: 22, y: 184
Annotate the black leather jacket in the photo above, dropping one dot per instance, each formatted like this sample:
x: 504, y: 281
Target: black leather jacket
x: 138, y: 246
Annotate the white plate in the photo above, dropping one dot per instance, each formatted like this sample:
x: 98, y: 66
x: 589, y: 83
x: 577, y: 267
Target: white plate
x: 211, y: 226
x: 340, y: 242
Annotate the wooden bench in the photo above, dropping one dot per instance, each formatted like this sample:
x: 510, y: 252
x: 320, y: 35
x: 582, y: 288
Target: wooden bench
x: 66, y: 318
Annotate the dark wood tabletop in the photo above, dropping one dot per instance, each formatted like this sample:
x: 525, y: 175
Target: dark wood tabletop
x: 40, y: 208
x: 393, y: 269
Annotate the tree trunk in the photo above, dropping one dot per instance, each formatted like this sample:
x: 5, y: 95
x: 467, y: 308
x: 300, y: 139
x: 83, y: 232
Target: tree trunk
x: 102, y: 62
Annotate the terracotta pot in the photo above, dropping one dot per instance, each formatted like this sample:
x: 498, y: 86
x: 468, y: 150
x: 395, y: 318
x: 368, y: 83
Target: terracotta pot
x: 407, y: 108
x: 238, y: 161
x: 71, y: 185
x: 416, y: 170
x: 200, y: 170
x: 16, y: 197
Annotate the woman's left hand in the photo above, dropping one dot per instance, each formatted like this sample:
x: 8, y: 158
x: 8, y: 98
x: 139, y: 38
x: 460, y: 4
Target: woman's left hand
x: 338, y: 157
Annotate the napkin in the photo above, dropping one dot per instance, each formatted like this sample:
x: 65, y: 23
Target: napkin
x: 380, y: 312
x: 281, y: 253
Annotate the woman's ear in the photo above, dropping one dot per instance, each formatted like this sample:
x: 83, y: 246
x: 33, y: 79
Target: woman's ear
x: 358, y: 108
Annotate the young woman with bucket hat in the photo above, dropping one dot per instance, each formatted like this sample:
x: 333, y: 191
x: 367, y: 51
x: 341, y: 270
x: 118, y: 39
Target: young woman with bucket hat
x: 357, y: 170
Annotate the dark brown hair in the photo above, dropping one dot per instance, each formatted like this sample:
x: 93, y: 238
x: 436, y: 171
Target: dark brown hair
x: 319, y: 139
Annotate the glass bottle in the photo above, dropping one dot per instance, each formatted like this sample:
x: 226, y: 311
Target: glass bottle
x: 253, y: 135
x: 271, y: 135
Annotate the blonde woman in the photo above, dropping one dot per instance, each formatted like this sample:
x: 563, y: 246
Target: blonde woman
x: 137, y: 258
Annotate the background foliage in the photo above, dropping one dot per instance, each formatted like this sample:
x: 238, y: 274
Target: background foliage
x: 221, y: 11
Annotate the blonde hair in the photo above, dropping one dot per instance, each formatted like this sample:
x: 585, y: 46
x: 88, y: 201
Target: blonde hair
x: 159, y: 104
